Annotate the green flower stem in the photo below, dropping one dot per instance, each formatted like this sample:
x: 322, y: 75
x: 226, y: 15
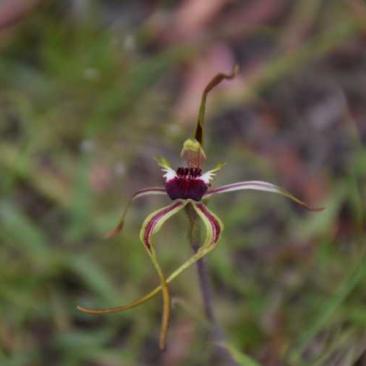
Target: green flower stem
x: 216, y: 333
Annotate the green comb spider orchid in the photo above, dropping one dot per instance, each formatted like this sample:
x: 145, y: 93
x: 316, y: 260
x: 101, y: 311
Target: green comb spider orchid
x: 185, y: 186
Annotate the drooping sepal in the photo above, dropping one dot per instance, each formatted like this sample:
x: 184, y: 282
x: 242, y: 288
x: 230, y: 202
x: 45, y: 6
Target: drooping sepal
x: 213, y: 225
x: 138, y: 194
x: 155, y: 221
x: 165, y: 317
x: 151, y: 226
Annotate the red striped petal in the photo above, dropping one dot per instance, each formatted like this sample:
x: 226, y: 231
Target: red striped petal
x: 212, y: 222
x: 257, y: 186
x: 155, y: 220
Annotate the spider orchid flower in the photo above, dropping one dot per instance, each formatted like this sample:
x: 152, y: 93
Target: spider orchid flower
x: 187, y: 185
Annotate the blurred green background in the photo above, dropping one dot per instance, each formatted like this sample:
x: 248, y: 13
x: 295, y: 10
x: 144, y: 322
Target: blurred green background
x: 91, y: 91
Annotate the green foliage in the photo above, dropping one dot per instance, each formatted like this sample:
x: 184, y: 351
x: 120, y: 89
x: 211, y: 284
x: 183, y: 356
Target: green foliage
x: 83, y: 115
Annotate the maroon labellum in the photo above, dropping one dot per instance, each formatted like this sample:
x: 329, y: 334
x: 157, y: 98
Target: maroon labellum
x: 186, y: 184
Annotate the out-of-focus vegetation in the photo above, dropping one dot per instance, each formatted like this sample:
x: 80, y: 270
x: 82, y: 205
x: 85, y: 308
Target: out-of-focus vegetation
x: 91, y: 91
